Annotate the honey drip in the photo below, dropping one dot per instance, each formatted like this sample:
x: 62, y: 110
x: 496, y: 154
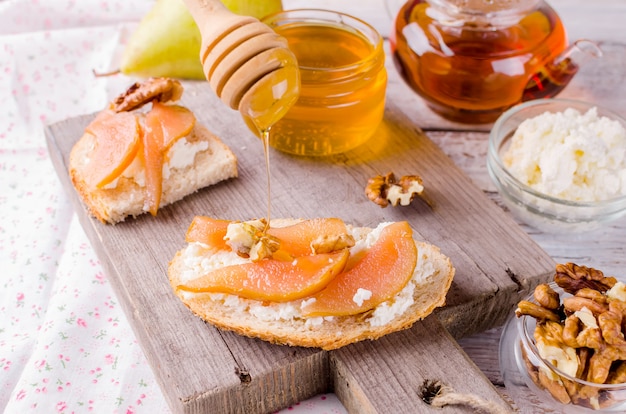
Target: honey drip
x: 265, y: 137
x: 265, y: 104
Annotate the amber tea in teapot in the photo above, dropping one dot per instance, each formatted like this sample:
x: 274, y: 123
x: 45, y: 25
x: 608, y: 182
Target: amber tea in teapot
x: 472, y: 59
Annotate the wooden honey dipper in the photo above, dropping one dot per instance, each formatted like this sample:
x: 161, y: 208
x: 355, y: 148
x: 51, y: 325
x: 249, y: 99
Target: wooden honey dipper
x: 241, y: 57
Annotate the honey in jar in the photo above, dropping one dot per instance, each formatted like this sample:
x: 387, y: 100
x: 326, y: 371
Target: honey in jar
x: 472, y: 59
x: 342, y: 82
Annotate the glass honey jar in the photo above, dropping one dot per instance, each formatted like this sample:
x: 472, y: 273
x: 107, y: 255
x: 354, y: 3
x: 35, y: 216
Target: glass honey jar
x: 342, y: 82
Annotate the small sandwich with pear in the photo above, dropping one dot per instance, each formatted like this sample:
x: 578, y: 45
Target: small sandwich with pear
x: 312, y: 283
x: 144, y: 152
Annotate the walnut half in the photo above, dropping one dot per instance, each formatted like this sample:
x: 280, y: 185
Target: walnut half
x: 573, y: 278
x: 384, y: 190
x: 153, y: 89
x: 249, y: 239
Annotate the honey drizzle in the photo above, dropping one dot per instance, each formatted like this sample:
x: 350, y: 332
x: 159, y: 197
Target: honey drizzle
x: 265, y: 137
x: 266, y: 103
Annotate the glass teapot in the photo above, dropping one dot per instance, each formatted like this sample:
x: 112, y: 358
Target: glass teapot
x: 473, y: 59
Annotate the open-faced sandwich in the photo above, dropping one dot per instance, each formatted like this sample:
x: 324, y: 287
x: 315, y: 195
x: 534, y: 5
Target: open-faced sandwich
x: 144, y: 152
x: 313, y: 283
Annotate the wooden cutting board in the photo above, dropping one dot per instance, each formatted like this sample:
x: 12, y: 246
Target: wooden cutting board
x: 202, y: 369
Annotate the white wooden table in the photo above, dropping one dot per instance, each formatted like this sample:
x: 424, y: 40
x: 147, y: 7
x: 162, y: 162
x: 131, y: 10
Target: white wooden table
x: 603, y: 82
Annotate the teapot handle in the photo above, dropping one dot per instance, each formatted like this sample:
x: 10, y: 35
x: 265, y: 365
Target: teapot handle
x: 551, y: 79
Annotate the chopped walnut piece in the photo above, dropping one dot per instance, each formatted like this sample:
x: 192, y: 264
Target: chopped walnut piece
x: 599, y: 367
x: 555, y: 388
x: 592, y: 294
x: 264, y: 247
x: 525, y: 307
x: 618, y: 292
x: 376, y: 189
x: 572, y: 278
x: 591, y: 338
x: 329, y: 244
x: 549, y: 339
x: 547, y: 297
x: 619, y: 306
x: 385, y: 190
x: 571, y: 329
x: 618, y: 375
x: 249, y: 239
x: 576, y: 303
x: 587, y: 318
x: 584, y: 354
x: 611, y: 325
x: 139, y: 94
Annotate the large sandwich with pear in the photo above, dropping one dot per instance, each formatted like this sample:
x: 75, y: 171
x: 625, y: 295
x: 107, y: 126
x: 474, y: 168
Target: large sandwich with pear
x: 313, y: 283
x: 144, y: 152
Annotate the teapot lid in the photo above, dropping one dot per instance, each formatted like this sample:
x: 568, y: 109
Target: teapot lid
x: 484, y: 12
x: 487, y: 6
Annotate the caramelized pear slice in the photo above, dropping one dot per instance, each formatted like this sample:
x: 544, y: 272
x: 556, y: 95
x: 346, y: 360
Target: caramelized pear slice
x: 208, y: 230
x: 295, y: 240
x: 165, y: 124
x: 176, y: 122
x: 153, y: 162
x: 378, y: 276
x: 116, y: 142
x: 272, y: 280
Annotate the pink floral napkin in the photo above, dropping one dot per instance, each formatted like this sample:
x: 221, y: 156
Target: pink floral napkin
x: 65, y: 344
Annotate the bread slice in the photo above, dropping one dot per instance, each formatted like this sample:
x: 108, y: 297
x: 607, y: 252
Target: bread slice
x: 280, y: 323
x: 113, y: 204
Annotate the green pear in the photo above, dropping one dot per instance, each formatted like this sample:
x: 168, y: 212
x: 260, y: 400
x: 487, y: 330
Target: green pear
x: 167, y: 40
x: 254, y: 8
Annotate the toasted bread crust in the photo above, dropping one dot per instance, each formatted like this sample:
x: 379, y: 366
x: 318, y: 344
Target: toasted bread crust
x: 112, y: 205
x: 429, y: 294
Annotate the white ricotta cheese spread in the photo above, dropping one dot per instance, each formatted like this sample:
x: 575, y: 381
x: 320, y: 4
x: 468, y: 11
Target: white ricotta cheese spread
x: 569, y: 155
x: 200, y: 259
x: 361, y: 296
x: 180, y: 155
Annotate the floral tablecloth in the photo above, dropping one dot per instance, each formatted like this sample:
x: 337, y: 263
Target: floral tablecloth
x: 65, y: 344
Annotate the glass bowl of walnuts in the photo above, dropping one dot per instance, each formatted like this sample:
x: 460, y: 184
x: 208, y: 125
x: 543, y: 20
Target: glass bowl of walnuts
x: 566, y: 343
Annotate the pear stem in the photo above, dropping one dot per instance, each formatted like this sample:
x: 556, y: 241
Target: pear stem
x: 103, y: 74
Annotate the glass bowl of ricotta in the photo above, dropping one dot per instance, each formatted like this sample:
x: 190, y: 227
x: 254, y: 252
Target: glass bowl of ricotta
x: 560, y: 165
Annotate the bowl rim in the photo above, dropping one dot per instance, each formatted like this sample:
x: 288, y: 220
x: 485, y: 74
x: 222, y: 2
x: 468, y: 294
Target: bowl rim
x: 336, y: 19
x: 528, y: 340
x: 493, y: 154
